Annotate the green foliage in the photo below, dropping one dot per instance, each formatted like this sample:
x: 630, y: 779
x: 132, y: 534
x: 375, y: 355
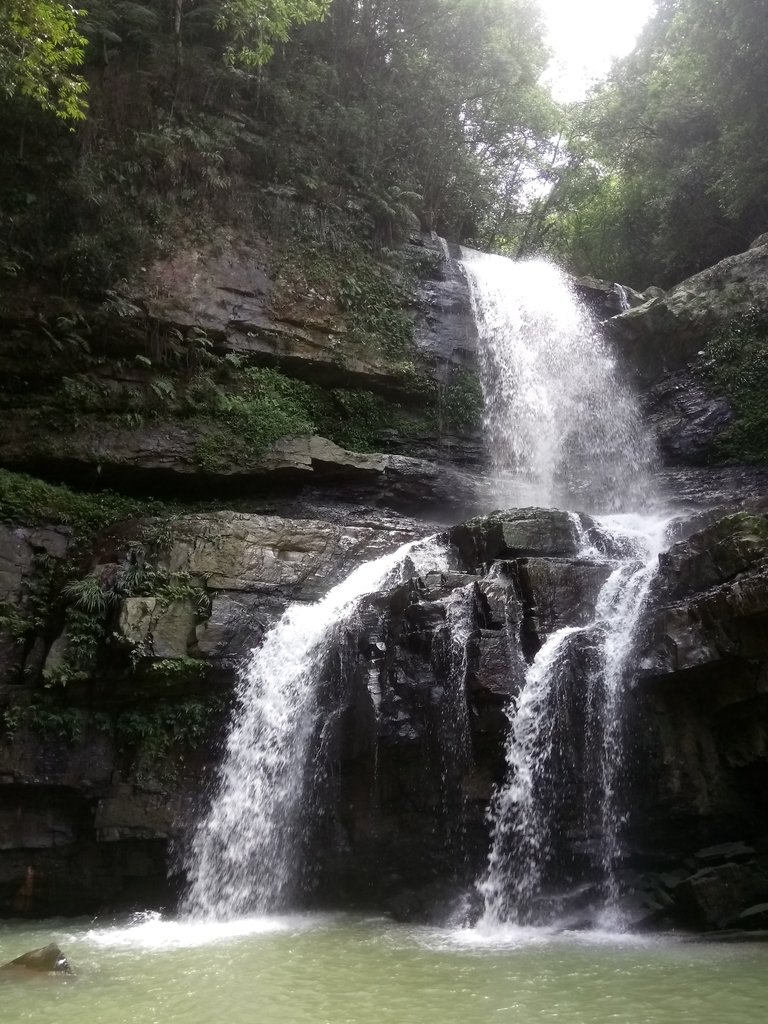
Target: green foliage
x: 48, y: 721
x: 668, y: 162
x: 374, y: 120
x: 152, y: 732
x: 155, y: 732
x: 39, y: 46
x: 370, y: 291
x: 174, y: 670
x: 84, y: 634
x: 461, y: 405
x: 737, y: 366
x: 266, y: 407
x: 254, y: 26
x: 88, y: 595
x: 24, y: 499
x: 13, y: 622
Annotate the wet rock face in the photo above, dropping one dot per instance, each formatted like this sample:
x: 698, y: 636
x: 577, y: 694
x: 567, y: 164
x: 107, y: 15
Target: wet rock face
x: 686, y: 417
x: 416, y: 694
x: 531, y: 531
x: 665, y: 333
x: 702, y: 710
x: 98, y: 779
x: 230, y: 298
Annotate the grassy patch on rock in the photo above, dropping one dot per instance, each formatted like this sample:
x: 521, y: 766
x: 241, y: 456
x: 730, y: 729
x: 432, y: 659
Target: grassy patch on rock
x: 29, y: 501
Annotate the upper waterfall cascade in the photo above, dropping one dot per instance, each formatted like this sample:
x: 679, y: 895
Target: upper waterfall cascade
x: 561, y: 427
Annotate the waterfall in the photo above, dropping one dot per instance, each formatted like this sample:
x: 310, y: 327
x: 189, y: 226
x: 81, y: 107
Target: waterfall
x: 246, y: 853
x: 561, y: 428
x: 590, y: 666
x: 623, y: 294
x: 619, y: 607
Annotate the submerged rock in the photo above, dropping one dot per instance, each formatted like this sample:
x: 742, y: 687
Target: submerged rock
x: 46, y: 960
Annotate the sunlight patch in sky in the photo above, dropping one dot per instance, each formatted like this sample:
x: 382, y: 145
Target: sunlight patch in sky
x: 585, y: 36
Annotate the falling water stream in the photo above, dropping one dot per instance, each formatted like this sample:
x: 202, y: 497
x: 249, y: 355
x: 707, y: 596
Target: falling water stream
x: 563, y: 430
x: 245, y: 854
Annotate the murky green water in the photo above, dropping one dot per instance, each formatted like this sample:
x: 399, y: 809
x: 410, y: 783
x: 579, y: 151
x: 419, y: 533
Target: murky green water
x: 347, y: 971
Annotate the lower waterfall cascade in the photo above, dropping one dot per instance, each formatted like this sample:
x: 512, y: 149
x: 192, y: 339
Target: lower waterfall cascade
x: 245, y: 853
x: 524, y: 809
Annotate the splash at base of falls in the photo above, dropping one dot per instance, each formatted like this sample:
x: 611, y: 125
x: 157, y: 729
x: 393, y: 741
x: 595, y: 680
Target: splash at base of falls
x: 526, y: 810
x: 245, y: 856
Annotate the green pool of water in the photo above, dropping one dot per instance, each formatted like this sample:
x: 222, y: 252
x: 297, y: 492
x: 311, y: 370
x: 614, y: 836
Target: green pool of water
x: 341, y: 970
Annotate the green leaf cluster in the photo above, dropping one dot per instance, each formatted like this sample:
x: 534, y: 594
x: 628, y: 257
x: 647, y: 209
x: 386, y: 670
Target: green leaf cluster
x: 25, y: 499
x: 40, y: 45
x: 254, y: 26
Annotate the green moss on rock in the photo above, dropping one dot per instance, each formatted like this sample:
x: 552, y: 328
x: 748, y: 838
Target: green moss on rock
x: 737, y: 366
x: 29, y: 501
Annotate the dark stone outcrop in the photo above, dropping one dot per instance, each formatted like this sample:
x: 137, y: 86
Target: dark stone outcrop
x: 46, y: 960
x: 686, y: 417
x: 664, y: 334
x: 119, y: 427
x: 517, y: 532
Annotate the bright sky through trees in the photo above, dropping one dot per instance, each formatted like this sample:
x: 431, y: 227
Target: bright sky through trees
x: 586, y: 35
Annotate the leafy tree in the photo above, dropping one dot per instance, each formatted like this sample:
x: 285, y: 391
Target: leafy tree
x: 40, y: 44
x: 677, y: 175
x: 254, y: 26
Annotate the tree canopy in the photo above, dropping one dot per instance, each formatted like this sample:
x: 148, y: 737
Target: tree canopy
x: 393, y: 112
x: 669, y: 159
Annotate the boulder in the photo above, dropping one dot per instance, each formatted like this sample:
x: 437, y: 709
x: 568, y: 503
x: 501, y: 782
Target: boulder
x: 665, y: 333
x: 516, y: 533
x: 606, y: 298
x: 715, y: 897
x: 563, y: 592
x: 716, y: 554
x: 46, y: 960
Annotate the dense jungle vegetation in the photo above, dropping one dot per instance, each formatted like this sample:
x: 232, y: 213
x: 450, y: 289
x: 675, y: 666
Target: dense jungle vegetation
x: 379, y: 114
x: 667, y: 162
x: 126, y: 124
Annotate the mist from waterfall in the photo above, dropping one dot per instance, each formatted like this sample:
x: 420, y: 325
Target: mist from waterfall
x: 245, y: 855
x: 561, y: 428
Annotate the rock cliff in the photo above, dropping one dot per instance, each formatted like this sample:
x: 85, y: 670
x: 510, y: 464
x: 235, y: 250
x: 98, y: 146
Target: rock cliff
x: 124, y: 619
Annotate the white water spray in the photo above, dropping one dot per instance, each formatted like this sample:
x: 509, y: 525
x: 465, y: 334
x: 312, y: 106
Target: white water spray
x: 524, y: 809
x: 561, y: 428
x: 245, y: 854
